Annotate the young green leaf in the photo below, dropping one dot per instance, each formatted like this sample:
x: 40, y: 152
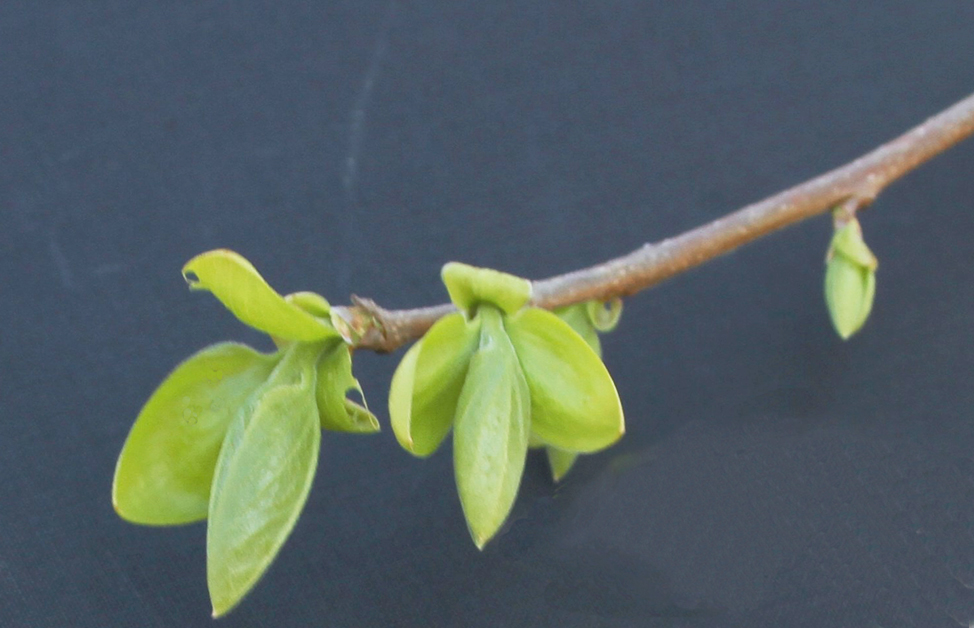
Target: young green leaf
x: 237, y: 284
x: 427, y: 384
x: 469, y: 286
x: 490, y: 439
x: 334, y: 380
x: 263, y: 476
x: 164, y: 471
x: 587, y: 319
x: 574, y: 403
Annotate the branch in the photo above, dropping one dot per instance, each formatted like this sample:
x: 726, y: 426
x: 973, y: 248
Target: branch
x: 849, y: 187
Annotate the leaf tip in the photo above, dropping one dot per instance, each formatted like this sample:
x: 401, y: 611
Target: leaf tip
x: 406, y: 442
x: 117, y: 506
x: 218, y: 609
x: 222, y: 607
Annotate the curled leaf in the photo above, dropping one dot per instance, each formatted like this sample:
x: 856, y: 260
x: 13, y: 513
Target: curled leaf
x: 360, y: 418
x: 237, y: 284
x: 603, y: 318
x: 427, y: 384
x: 334, y: 381
x: 574, y: 403
x: 165, y: 469
x: 490, y: 439
x: 262, y: 479
x: 469, y: 286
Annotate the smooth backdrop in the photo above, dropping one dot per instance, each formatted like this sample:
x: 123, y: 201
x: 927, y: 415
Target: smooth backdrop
x: 771, y: 474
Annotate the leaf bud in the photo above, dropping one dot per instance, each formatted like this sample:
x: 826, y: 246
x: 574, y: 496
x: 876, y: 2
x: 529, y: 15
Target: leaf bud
x: 850, y: 279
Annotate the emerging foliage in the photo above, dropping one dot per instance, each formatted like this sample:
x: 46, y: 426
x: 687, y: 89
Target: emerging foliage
x: 504, y: 376
x: 233, y: 435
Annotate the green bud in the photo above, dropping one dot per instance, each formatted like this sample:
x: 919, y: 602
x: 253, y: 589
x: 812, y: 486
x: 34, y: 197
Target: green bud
x: 850, y: 279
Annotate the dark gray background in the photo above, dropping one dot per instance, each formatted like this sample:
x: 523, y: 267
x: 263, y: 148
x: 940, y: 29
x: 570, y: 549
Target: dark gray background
x: 771, y: 475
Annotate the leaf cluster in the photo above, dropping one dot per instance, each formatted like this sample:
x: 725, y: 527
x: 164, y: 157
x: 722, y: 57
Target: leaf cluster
x: 232, y: 436
x: 503, y: 377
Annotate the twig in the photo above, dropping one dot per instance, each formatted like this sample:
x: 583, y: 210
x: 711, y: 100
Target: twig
x: 851, y: 186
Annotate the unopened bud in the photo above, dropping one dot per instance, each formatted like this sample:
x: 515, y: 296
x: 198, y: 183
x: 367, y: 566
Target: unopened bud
x: 850, y: 279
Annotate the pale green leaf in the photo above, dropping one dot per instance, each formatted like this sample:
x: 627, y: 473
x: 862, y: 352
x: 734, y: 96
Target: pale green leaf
x: 237, y: 284
x: 560, y: 461
x: 574, y: 403
x: 334, y: 381
x: 469, y: 286
x: 587, y: 319
x: 401, y: 398
x: 427, y: 384
x: 490, y: 439
x: 263, y: 476
x: 164, y: 472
